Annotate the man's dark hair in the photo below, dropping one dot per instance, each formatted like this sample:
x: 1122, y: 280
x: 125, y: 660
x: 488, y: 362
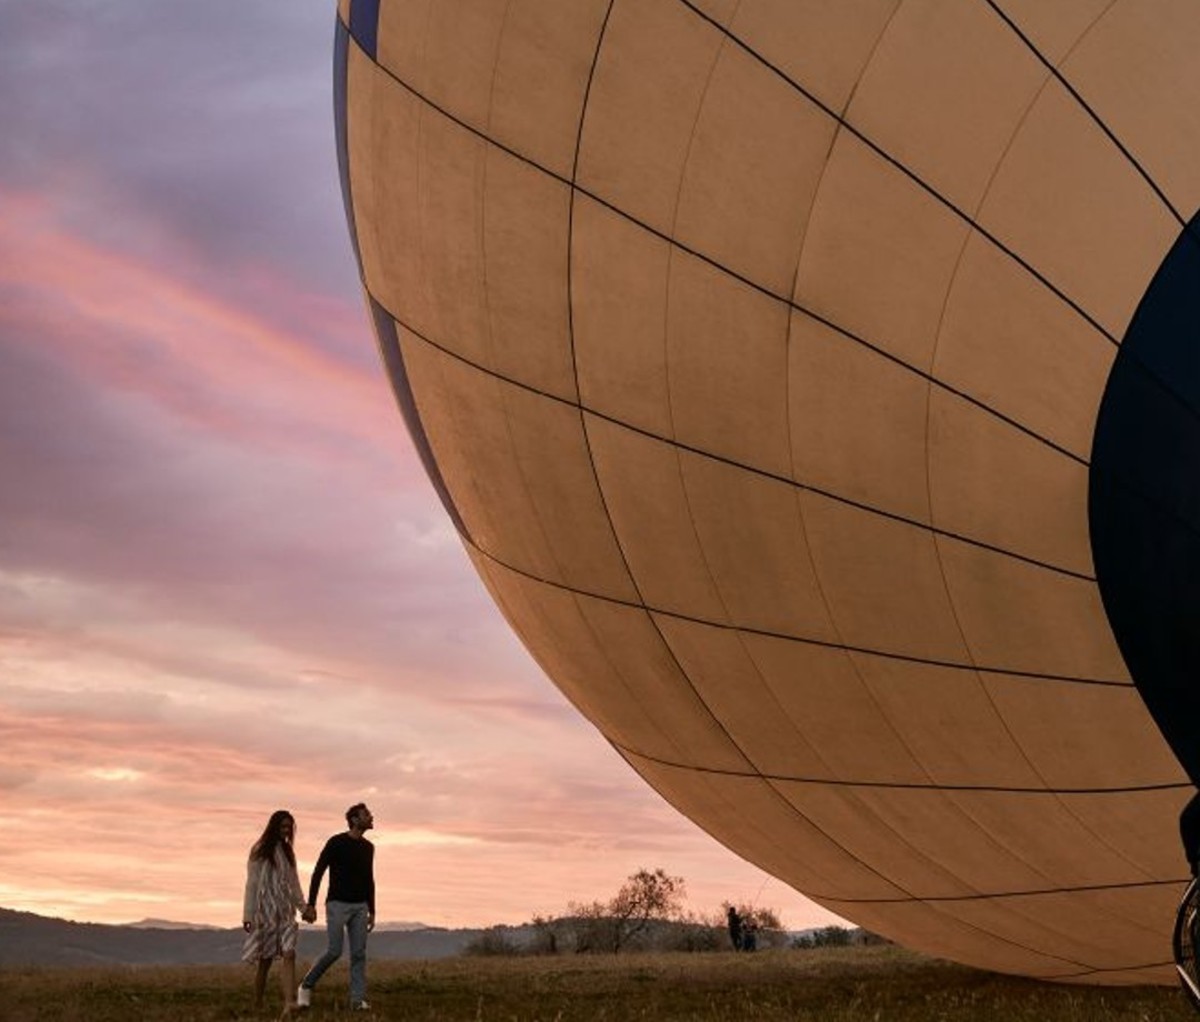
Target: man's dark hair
x: 352, y: 810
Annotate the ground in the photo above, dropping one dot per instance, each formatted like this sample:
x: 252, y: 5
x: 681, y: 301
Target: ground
x: 830, y: 985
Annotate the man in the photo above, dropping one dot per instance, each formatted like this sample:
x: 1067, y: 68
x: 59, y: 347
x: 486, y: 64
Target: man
x: 349, y: 904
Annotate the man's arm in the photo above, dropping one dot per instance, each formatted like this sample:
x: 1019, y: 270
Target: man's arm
x: 371, y: 890
x: 314, y: 885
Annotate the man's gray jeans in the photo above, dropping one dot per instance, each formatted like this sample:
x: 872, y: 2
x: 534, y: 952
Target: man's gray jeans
x: 342, y: 917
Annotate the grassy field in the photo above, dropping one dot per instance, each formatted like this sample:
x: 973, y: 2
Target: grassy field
x: 830, y: 985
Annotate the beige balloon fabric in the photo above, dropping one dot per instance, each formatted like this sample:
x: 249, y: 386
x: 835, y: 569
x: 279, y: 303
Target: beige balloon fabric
x: 755, y: 348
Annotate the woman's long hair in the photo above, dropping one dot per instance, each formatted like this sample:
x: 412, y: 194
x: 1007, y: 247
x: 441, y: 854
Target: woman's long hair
x: 272, y: 838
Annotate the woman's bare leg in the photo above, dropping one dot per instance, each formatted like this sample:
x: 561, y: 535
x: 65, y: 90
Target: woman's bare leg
x: 287, y: 981
x: 260, y: 981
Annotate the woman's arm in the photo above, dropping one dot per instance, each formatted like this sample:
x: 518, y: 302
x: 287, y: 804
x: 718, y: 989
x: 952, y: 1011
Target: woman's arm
x: 254, y: 872
x: 297, y: 892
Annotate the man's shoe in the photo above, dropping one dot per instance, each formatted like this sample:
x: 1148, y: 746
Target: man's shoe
x: 360, y: 1006
x: 303, y: 996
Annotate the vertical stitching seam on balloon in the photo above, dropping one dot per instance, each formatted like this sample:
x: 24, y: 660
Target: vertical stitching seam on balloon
x: 984, y: 688
x: 575, y: 369
x: 517, y: 468
x: 678, y: 448
x: 797, y: 491
x: 837, y: 129
x: 683, y: 486
x: 870, y: 691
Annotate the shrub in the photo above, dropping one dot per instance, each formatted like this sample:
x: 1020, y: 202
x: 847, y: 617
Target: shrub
x: 495, y: 940
x: 827, y: 936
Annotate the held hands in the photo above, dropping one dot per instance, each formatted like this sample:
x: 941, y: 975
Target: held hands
x: 309, y: 913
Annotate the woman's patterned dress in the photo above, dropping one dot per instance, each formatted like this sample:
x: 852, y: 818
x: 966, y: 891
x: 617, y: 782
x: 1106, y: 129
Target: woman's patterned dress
x: 273, y: 895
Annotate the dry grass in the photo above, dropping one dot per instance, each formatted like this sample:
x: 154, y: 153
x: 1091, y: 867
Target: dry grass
x: 830, y: 985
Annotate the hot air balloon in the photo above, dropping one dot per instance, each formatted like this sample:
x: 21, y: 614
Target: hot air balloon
x: 816, y: 389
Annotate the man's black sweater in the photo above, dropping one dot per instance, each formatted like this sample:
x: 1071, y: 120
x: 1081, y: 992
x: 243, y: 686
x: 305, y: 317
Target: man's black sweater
x: 351, y: 865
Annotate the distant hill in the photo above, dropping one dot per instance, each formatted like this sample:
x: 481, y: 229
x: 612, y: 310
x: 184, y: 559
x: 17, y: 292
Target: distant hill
x: 172, y: 924
x: 166, y: 924
x: 29, y: 939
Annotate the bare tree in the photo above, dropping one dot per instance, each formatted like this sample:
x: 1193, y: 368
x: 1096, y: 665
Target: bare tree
x: 589, y: 926
x: 645, y: 897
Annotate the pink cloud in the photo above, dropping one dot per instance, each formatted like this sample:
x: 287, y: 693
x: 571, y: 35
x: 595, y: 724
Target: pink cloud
x: 138, y: 328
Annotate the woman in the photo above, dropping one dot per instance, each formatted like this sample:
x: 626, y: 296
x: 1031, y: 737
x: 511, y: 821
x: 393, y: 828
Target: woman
x: 273, y: 895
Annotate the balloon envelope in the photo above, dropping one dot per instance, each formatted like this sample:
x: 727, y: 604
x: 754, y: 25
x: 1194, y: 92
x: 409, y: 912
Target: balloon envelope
x: 813, y: 387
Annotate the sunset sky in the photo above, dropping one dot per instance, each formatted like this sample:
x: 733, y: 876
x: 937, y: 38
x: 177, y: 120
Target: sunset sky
x: 226, y: 585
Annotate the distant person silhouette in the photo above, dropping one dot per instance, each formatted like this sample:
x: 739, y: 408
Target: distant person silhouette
x: 273, y: 894
x: 749, y: 935
x: 734, y: 921
x: 349, y: 904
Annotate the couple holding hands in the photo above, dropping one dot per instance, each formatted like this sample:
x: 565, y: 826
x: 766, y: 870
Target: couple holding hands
x: 274, y: 896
